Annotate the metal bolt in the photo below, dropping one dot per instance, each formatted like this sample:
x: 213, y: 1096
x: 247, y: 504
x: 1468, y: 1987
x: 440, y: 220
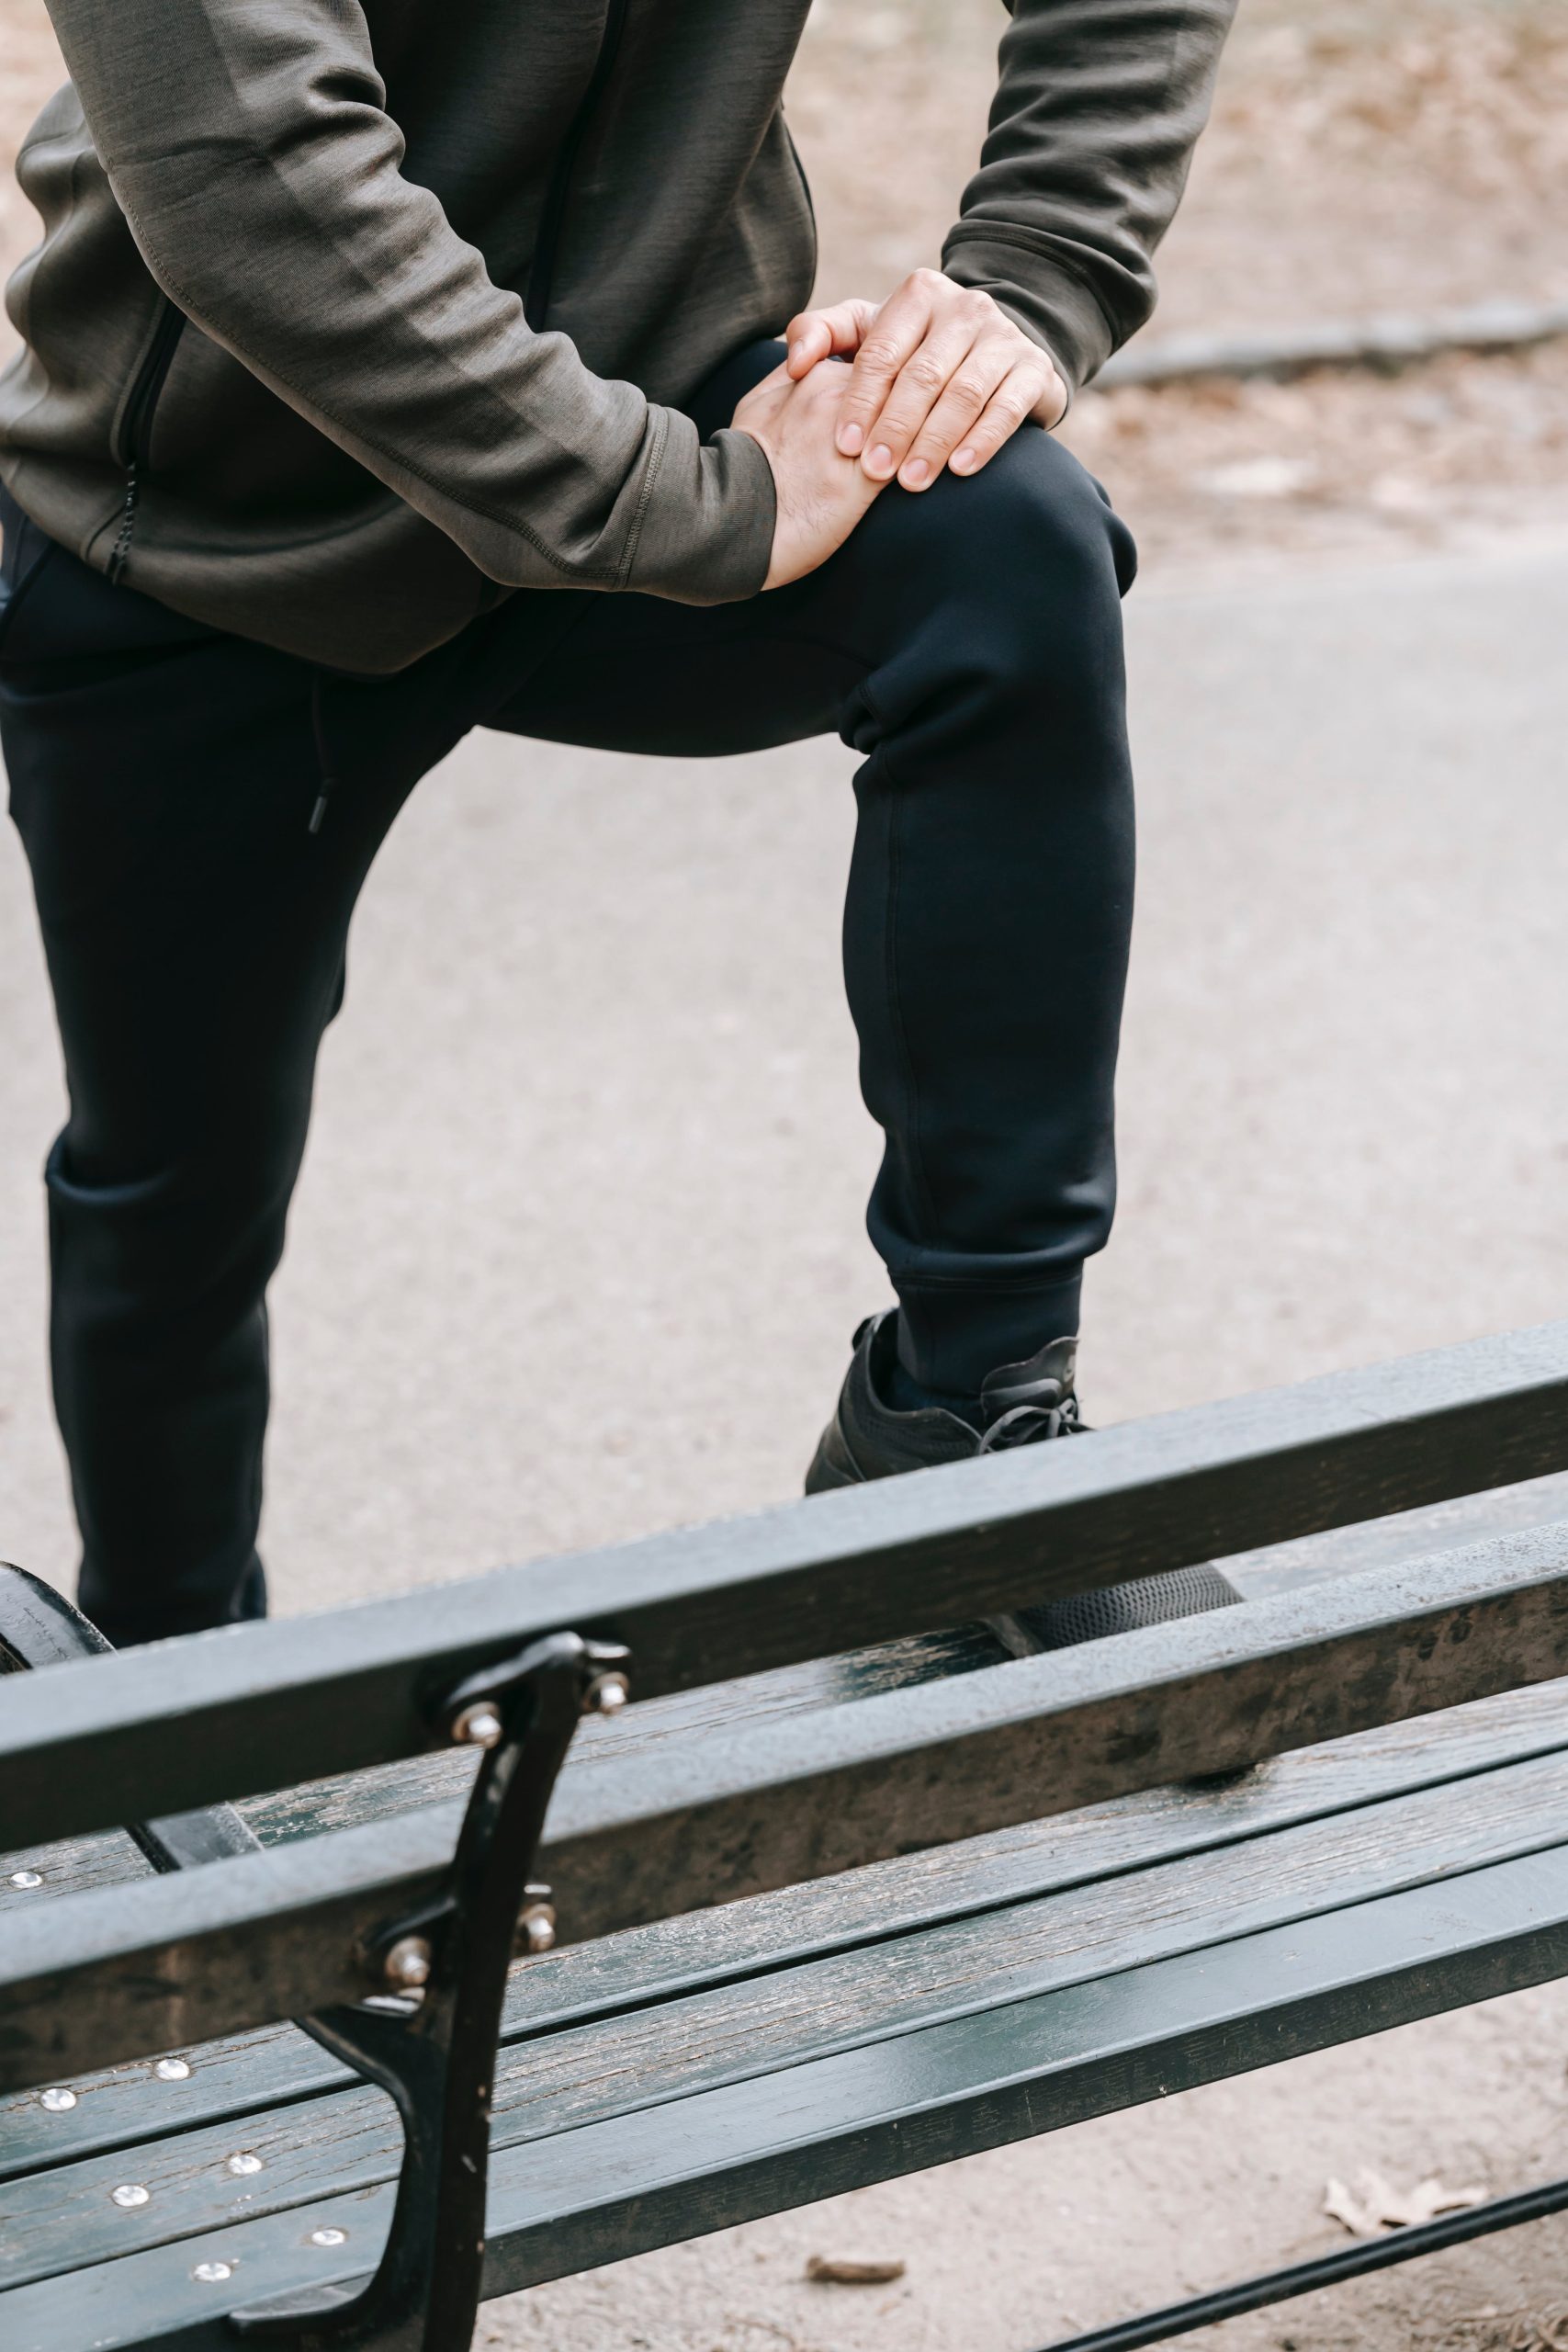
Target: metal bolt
x: 243, y: 2165
x: 57, y: 2102
x: 329, y: 2237
x: 537, y: 1928
x: 407, y: 1965
x: 477, y: 1726
x: 606, y: 1694
x: 130, y: 2193
x: 172, y: 2069
x: 27, y: 1878
x: 211, y: 2274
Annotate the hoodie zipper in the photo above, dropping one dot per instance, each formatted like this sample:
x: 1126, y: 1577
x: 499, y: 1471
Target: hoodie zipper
x: 136, y: 440
x: 535, y: 307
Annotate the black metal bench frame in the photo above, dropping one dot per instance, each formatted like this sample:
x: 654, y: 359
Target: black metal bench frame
x: 390, y: 1942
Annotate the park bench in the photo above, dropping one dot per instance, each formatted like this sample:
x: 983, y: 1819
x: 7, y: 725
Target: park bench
x: 840, y: 1897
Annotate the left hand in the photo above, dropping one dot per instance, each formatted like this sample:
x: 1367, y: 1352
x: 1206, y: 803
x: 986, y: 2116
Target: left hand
x: 941, y: 377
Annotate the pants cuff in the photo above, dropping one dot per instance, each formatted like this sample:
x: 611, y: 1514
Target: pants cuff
x: 952, y: 1338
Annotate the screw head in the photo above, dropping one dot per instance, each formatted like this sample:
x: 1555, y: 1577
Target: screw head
x: 130, y: 2193
x: 606, y: 1695
x: 172, y: 2069
x: 477, y: 1726
x: 329, y: 2237
x: 537, y: 1928
x: 243, y: 2165
x: 57, y: 2102
x: 407, y: 1966
x: 27, y: 1878
x: 211, y: 2274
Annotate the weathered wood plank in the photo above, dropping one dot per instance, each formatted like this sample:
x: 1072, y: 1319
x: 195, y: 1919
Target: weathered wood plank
x: 125, y: 2105
x: 579, y: 2198
x: 350, y: 1688
x: 559, y: 2082
x: 102, y: 1975
x: 344, y: 1801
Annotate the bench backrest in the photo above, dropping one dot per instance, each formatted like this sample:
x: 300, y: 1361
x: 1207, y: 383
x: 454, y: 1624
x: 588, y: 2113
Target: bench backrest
x: 128, y: 1970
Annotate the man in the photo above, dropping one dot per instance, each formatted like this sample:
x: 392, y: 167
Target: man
x: 394, y: 368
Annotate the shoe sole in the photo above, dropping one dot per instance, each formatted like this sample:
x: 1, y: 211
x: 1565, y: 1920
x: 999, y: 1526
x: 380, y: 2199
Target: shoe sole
x: 1115, y: 1609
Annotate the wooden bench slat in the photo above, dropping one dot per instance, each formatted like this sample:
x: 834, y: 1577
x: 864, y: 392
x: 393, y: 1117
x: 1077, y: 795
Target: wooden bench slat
x: 345, y: 1800
x: 614, y: 2189
x: 276, y: 2066
x: 561, y: 2082
x: 346, y: 1689
x: 273, y: 1934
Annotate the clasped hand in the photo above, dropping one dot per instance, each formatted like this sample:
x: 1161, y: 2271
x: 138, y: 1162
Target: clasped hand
x: 940, y: 377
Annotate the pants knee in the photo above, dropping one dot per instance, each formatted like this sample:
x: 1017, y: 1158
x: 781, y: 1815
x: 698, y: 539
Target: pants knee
x: 185, y: 1242
x: 1027, y: 559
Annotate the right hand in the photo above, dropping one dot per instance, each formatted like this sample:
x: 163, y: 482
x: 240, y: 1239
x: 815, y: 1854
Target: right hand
x: 821, y: 493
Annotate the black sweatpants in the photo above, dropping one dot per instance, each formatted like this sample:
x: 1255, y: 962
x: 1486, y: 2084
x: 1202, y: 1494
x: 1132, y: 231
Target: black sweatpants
x: 164, y: 777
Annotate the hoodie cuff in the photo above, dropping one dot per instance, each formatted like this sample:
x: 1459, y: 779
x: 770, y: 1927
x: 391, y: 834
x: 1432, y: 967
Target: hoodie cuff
x: 706, y: 532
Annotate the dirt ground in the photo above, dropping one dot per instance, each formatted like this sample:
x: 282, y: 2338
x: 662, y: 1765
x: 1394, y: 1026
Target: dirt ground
x: 1362, y: 157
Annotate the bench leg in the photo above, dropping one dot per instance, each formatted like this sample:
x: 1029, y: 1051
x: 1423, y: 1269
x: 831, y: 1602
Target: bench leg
x: 433, y: 2044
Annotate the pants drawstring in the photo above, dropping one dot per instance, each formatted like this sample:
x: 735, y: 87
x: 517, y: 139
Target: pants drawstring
x: 326, y: 781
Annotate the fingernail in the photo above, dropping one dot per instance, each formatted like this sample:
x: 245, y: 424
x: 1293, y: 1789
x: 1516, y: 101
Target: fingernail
x: 962, y: 461
x: 850, y: 439
x: 916, y: 474
x: 880, y: 462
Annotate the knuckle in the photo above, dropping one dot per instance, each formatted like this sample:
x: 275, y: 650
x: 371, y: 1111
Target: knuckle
x: 878, y: 354
x: 926, y: 373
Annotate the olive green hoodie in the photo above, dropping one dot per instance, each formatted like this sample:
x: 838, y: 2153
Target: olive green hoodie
x: 352, y: 316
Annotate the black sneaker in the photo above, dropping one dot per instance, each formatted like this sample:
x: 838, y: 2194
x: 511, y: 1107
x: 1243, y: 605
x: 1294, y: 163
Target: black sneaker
x: 1020, y: 1404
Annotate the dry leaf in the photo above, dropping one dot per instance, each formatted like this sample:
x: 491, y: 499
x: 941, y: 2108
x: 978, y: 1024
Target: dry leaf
x: 1371, y: 2206
x: 841, y: 2273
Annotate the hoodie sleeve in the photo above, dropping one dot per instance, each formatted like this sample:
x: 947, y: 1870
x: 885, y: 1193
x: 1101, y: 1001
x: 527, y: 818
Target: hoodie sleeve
x: 248, y: 144
x: 1100, y: 105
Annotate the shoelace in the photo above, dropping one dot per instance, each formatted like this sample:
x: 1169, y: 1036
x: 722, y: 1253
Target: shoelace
x: 1026, y: 1423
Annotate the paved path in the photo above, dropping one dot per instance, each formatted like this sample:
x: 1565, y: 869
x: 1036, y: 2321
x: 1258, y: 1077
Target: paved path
x: 578, y: 1246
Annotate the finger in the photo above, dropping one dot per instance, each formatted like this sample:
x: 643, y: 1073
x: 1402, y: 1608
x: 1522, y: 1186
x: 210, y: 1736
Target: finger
x: 815, y: 336
x: 890, y: 338
x: 1007, y: 408
x: 955, y: 414
x: 920, y: 385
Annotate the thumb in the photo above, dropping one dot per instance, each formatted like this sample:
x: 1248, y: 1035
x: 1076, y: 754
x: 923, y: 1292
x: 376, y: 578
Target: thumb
x: 814, y: 335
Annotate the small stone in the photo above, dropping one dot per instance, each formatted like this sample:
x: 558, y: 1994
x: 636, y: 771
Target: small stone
x: 172, y: 2069
x: 329, y: 2237
x: 841, y: 2271
x: 244, y: 2164
x: 57, y: 2102
x: 212, y: 2274
x: 130, y: 2193
x: 27, y: 1878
